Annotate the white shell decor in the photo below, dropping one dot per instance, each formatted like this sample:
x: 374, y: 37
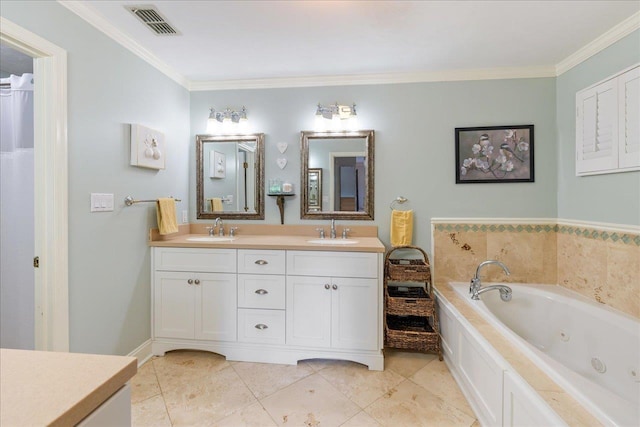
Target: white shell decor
x: 282, y: 147
x: 282, y: 162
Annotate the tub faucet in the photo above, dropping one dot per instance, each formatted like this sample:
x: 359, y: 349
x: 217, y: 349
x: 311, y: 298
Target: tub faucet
x: 475, y: 288
x: 333, y: 228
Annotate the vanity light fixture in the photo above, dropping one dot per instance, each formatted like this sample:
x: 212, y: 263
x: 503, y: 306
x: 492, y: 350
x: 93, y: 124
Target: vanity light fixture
x: 227, y: 121
x: 336, y: 117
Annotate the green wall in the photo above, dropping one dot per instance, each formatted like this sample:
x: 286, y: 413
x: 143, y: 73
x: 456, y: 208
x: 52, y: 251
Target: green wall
x: 613, y: 198
x: 414, y: 143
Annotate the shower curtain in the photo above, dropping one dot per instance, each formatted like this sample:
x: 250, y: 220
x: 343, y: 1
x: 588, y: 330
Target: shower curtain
x: 17, y: 319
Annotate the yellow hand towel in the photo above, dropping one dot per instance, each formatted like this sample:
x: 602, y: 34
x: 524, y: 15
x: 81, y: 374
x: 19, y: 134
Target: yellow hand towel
x: 401, y: 228
x: 167, y: 219
x: 216, y: 204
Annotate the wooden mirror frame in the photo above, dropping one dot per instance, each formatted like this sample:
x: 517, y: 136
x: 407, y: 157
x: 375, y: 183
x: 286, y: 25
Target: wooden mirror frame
x: 368, y: 213
x: 258, y: 138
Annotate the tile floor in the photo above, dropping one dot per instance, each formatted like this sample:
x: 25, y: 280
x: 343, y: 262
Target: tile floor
x: 192, y: 388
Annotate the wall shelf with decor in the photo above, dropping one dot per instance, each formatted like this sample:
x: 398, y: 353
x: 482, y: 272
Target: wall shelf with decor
x: 411, y: 318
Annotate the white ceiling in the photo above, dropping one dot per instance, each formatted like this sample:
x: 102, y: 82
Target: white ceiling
x: 240, y: 40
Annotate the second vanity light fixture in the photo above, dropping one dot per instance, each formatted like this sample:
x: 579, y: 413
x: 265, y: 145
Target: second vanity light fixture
x: 336, y: 117
x: 227, y: 121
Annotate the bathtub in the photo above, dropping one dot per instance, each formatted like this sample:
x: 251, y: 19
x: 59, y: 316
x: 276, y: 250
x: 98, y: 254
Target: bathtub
x: 590, y: 350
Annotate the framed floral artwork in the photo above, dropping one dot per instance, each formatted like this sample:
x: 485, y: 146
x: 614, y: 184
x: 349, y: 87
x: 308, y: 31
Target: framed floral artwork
x: 493, y: 154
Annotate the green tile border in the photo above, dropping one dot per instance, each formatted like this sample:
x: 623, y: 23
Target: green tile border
x: 590, y: 233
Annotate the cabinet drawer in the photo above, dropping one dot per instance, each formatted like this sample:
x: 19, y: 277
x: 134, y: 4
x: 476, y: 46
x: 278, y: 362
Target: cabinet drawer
x: 261, y: 262
x: 195, y: 259
x: 335, y: 264
x: 261, y: 326
x: 258, y: 291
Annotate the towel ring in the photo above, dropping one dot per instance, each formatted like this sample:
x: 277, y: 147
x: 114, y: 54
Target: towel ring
x: 400, y: 200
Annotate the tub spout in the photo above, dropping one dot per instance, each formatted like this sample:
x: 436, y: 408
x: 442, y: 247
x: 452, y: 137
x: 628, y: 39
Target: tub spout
x: 505, y: 292
x: 475, y: 288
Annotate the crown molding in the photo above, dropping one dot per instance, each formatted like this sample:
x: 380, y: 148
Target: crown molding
x: 374, y: 79
x: 110, y: 30
x: 616, y: 33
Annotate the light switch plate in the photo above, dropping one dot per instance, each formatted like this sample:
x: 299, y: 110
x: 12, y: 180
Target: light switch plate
x: 101, y: 202
x: 185, y: 217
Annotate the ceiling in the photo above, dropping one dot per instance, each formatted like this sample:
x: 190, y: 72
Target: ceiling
x: 248, y: 40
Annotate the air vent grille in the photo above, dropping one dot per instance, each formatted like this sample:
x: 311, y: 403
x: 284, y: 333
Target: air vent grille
x: 152, y: 19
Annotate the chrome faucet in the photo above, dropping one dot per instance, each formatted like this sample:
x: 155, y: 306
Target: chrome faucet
x: 220, y: 227
x: 333, y: 228
x: 475, y: 288
x: 213, y: 227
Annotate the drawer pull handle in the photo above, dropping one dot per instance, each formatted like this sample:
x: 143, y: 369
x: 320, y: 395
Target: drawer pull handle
x: 261, y: 326
x: 262, y: 292
x: 327, y: 286
x: 335, y: 287
x: 190, y: 281
x: 197, y: 281
x: 261, y: 262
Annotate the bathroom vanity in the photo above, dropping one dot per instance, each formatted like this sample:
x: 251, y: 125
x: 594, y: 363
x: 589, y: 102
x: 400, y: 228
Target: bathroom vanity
x: 272, y: 298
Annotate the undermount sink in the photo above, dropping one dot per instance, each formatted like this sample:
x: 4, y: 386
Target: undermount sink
x: 211, y: 239
x: 332, y: 241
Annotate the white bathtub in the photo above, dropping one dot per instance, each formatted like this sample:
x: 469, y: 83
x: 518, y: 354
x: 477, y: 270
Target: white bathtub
x: 590, y: 350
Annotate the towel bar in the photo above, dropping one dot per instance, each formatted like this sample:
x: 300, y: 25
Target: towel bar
x: 128, y: 201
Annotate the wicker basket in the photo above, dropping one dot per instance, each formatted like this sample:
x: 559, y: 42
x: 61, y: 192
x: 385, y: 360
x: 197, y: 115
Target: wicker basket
x: 407, y: 269
x: 402, y: 300
x: 411, y: 332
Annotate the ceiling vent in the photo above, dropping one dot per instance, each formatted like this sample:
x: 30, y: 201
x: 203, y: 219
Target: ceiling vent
x: 151, y: 18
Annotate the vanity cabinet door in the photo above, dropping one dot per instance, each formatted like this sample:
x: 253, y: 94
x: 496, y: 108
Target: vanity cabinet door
x: 215, y: 311
x: 354, y: 314
x: 196, y: 305
x: 308, y: 311
x: 173, y: 305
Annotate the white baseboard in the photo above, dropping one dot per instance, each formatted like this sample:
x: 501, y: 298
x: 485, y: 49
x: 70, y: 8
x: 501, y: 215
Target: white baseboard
x: 142, y: 353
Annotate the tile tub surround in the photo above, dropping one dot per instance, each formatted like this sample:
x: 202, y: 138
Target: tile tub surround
x: 415, y: 389
x: 601, y: 262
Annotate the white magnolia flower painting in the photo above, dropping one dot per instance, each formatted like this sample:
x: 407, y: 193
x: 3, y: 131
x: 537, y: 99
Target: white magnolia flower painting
x: 494, y: 154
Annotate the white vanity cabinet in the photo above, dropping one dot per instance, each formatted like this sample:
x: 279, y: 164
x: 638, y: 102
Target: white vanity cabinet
x: 194, y: 294
x: 271, y: 306
x: 338, y: 311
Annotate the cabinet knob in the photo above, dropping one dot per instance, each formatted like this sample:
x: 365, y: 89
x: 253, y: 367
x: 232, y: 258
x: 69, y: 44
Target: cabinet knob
x: 327, y: 286
x: 197, y: 281
x: 261, y: 326
x: 261, y: 262
x: 261, y: 291
x: 190, y: 281
x: 334, y: 287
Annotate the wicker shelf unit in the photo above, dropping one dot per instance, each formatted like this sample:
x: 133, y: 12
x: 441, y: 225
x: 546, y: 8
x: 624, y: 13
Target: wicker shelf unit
x: 411, y: 317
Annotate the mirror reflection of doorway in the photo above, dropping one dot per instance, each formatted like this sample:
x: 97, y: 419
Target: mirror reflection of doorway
x: 348, y: 191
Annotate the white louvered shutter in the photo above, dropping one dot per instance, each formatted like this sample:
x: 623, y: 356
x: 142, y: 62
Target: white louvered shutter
x: 629, y: 119
x: 597, y: 128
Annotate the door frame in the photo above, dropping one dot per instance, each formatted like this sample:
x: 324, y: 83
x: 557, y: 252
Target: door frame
x: 332, y: 162
x: 51, y: 185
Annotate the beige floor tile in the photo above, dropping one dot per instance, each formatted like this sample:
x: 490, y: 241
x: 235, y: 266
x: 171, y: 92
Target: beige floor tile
x: 180, y: 368
x: 311, y: 401
x: 361, y: 419
x: 144, y: 384
x: 207, y: 399
x: 436, y: 378
x: 264, y: 379
x: 358, y: 383
x: 411, y: 405
x: 253, y: 415
x: 406, y: 363
x: 150, y: 413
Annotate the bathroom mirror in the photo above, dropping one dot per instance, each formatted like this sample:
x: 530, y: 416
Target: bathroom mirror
x: 230, y: 176
x: 337, y: 175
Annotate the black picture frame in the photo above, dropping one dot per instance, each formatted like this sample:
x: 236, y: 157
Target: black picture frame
x: 494, y: 154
